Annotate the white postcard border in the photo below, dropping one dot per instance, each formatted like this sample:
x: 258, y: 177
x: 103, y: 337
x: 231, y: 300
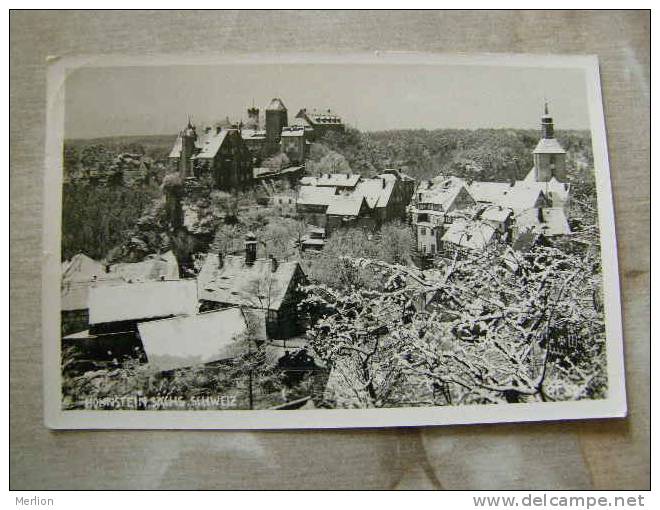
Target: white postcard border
x: 611, y: 407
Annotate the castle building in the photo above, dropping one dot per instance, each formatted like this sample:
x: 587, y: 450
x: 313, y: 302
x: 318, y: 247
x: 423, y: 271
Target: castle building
x: 220, y: 152
x: 319, y: 123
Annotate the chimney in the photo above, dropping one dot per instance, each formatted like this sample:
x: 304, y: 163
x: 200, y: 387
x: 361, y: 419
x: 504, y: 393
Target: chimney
x: 250, y: 249
x: 273, y: 263
x: 540, y: 215
x: 221, y: 260
x: 162, y: 278
x: 384, y: 183
x: 218, y: 129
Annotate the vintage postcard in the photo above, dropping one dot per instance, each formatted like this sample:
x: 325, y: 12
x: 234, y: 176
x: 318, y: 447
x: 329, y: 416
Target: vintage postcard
x: 312, y: 241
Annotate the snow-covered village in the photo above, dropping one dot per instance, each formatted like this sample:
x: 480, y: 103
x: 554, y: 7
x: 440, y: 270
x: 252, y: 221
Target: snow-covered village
x: 281, y: 261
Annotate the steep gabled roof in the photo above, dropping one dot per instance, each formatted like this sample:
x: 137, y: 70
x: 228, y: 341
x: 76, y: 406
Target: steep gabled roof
x: 347, y: 205
x: 558, y: 192
x: 135, y: 301
x: 521, y: 197
x: 209, y: 144
x: 377, y: 191
x: 82, y: 268
x: 236, y: 283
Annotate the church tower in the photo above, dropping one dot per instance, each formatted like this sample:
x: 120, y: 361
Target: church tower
x: 549, y: 156
x: 188, y: 139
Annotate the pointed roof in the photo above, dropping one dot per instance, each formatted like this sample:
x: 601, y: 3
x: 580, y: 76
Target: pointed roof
x: 549, y: 146
x: 276, y: 105
x: 81, y: 268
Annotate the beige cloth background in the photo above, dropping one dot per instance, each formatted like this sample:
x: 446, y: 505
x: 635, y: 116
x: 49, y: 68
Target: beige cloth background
x: 604, y: 454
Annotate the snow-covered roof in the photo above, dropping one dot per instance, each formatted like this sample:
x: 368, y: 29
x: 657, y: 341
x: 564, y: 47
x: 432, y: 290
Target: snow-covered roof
x: 237, y: 283
x: 75, y: 292
x: 315, y: 195
x: 154, y: 267
x: 82, y: 272
x: 346, y: 205
x: 549, y: 146
x: 377, y: 191
x: 253, y: 134
x: 491, y: 192
x: 347, y: 180
x: 549, y: 221
x: 521, y: 197
x: 192, y: 340
x: 81, y: 268
x: 135, y: 301
x: 473, y: 235
x: 558, y: 192
x: 293, y: 131
x: 496, y: 213
x: 207, y: 144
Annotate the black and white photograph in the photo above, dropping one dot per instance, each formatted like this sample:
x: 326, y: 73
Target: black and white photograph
x: 338, y: 241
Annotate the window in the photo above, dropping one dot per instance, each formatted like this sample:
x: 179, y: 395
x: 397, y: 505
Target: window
x: 422, y: 231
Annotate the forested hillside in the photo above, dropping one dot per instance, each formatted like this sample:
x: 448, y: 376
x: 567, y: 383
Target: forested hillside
x: 481, y: 154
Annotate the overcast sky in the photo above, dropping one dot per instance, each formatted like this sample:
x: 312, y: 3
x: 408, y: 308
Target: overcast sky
x: 156, y: 100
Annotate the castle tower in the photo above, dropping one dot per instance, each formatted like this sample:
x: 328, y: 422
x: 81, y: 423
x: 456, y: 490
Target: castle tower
x: 188, y: 139
x: 549, y: 155
x: 253, y: 118
x: 276, y: 119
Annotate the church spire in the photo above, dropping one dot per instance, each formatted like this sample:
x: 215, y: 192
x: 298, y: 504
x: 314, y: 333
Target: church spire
x: 547, y: 126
